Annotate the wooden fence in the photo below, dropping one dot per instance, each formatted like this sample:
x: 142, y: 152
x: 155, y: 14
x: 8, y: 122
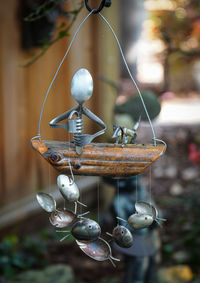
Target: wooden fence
x: 22, y: 90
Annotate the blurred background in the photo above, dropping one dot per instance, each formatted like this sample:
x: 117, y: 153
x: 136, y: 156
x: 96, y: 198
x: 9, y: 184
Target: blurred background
x: 161, y: 42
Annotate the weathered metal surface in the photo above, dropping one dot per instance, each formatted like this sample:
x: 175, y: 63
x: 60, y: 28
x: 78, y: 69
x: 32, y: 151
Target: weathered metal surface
x: 99, y: 159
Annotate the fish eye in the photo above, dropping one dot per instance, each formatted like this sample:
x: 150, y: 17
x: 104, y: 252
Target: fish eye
x: 145, y: 218
x: 122, y: 232
x: 63, y: 185
x: 90, y: 226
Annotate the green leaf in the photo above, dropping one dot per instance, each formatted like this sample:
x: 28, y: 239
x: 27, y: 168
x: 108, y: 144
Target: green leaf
x: 63, y: 33
x: 62, y: 25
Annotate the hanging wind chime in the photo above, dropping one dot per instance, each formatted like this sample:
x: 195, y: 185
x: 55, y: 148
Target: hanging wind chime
x: 84, y: 157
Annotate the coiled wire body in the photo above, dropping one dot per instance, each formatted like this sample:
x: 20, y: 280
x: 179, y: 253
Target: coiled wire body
x: 78, y: 132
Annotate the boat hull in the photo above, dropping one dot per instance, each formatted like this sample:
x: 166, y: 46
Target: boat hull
x: 99, y: 159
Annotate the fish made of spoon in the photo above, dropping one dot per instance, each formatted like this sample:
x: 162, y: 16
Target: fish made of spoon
x: 143, y: 207
x: 138, y: 221
x: 84, y: 229
x: 122, y: 236
x: 64, y: 218
x: 68, y: 189
x: 58, y: 218
x: 99, y: 250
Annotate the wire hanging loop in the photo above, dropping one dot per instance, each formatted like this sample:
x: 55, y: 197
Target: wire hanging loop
x: 56, y: 73
x: 95, y: 11
x: 132, y: 79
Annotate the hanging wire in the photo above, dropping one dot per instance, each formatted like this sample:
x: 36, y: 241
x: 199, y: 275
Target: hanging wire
x: 136, y: 193
x: 129, y: 72
x: 150, y: 193
x: 96, y: 11
x: 49, y: 180
x: 127, y: 67
x: 70, y: 168
x: 56, y: 73
x: 118, y: 201
x: 159, y: 140
x: 98, y: 198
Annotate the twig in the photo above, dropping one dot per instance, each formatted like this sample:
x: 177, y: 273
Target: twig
x: 60, y: 35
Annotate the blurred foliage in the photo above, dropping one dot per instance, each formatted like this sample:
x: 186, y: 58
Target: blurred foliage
x: 177, y: 25
x: 182, y: 242
x: 191, y: 240
x: 43, y: 9
x: 178, y: 28
x: 43, y: 21
x: 134, y: 108
x: 110, y: 280
x: 16, y: 255
x: 197, y: 140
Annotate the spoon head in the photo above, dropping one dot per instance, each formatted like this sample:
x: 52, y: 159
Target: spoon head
x: 140, y: 221
x: 122, y: 236
x: 86, y: 230
x: 82, y: 86
x: 143, y: 207
x: 62, y: 218
x: 68, y: 188
x: 98, y: 249
x: 46, y: 201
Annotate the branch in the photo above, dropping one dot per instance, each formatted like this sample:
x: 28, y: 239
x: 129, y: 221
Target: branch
x: 62, y: 33
x: 43, y: 10
x: 185, y: 53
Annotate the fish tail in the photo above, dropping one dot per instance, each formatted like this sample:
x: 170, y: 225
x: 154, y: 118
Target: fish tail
x: 81, y: 203
x: 109, y: 234
x: 158, y: 223
x: 162, y: 219
x: 119, y: 218
x: 114, y: 258
x: 114, y: 265
x: 80, y: 215
x: 64, y: 238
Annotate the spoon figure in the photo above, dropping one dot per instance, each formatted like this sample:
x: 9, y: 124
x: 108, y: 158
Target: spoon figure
x: 81, y: 90
x: 143, y: 207
x: 138, y: 221
x: 84, y: 229
x: 99, y: 250
x: 69, y: 189
x: 58, y: 218
x: 122, y: 236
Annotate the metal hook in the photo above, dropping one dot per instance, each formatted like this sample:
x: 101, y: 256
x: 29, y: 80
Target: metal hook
x: 155, y: 139
x: 72, y: 113
x: 95, y: 11
x: 108, y: 3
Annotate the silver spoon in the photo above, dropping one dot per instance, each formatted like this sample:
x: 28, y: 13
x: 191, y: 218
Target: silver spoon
x: 143, y: 207
x: 99, y: 250
x: 82, y: 86
x: 122, y: 236
x: 138, y: 221
x: 46, y: 201
x: 68, y: 189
